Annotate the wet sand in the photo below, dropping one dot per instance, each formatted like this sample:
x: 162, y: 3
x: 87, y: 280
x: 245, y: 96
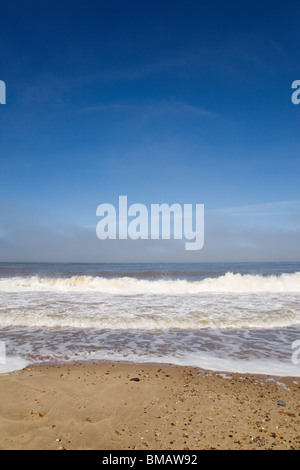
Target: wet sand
x: 146, y: 407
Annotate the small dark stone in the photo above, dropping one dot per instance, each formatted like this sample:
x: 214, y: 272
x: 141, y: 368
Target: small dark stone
x: 135, y: 379
x: 281, y: 403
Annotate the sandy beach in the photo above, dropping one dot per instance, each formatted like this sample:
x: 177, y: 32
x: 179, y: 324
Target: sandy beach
x: 146, y: 407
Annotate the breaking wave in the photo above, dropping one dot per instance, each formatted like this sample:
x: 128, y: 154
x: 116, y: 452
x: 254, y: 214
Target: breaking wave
x: 229, y: 283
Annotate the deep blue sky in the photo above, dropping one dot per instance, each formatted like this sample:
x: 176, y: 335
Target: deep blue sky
x: 162, y: 101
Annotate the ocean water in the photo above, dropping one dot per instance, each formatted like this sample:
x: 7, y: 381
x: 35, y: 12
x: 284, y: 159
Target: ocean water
x: 234, y: 317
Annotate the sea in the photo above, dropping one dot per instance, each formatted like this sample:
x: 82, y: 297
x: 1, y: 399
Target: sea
x: 228, y: 317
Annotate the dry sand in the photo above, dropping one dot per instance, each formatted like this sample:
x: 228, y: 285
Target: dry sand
x: 99, y: 406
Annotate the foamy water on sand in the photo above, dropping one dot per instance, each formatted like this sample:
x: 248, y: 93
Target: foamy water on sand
x: 233, y: 317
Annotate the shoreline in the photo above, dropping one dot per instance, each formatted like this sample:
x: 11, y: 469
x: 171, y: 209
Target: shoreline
x: 124, y: 406
x: 102, y: 362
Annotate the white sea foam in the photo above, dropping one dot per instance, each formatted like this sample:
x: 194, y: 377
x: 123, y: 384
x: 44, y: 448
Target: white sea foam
x: 137, y: 321
x: 229, y: 283
x: 229, y: 301
x: 197, y: 315
x: 250, y: 320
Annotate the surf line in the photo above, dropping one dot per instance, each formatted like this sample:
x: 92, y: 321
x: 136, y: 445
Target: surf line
x: 183, y: 219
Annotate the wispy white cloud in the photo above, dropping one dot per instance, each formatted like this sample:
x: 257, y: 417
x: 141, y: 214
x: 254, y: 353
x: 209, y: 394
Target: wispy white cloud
x: 151, y: 107
x: 269, y: 208
x: 142, y: 70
